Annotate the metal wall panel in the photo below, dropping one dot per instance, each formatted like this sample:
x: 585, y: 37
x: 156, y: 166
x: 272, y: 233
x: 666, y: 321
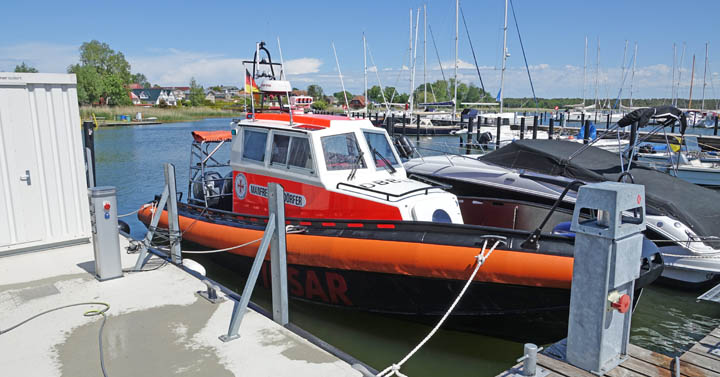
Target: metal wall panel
x: 48, y: 118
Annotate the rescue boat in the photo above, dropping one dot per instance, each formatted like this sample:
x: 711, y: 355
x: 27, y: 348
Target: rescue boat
x: 367, y: 236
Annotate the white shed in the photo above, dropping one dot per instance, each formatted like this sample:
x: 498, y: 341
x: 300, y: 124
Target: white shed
x: 43, y: 191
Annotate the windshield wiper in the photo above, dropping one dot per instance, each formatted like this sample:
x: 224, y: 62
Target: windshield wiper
x: 356, y: 165
x: 387, y: 163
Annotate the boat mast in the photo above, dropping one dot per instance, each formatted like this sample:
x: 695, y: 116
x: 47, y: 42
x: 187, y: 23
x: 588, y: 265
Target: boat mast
x: 680, y: 65
x: 622, y: 69
x: 702, y: 106
x: 425, y: 51
x: 410, y: 62
x: 692, y: 78
x: 597, y: 75
x: 283, y: 77
x: 504, y: 60
x: 672, y: 85
x: 365, y: 64
x: 337, y: 62
x: 584, y: 73
x: 457, y: 7
x: 414, y: 61
x: 632, y: 78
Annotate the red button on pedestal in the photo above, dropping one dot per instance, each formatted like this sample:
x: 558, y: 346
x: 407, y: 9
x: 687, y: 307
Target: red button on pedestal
x: 106, y: 206
x: 622, y: 304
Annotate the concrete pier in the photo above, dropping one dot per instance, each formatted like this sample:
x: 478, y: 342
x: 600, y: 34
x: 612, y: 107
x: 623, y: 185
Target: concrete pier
x: 156, y: 324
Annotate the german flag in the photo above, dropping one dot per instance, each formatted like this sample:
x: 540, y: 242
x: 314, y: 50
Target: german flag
x: 250, y: 86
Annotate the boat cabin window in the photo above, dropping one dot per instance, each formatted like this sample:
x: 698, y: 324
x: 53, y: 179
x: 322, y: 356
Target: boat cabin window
x: 380, y: 148
x: 341, y: 152
x: 254, y: 142
x: 291, y: 151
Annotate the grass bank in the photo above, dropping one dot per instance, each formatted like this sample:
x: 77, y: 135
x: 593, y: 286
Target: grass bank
x: 171, y: 114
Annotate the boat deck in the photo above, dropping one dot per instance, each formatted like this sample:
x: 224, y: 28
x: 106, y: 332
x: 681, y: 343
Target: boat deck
x: 701, y: 360
x: 156, y: 324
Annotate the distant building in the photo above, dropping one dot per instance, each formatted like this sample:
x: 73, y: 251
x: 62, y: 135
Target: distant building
x: 331, y: 100
x: 210, y: 96
x: 180, y: 92
x: 153, y: 97
x: 358, y: 102
x: 134, y: 86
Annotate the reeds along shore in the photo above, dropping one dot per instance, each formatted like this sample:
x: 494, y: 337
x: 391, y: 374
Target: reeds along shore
x: 170, y: 114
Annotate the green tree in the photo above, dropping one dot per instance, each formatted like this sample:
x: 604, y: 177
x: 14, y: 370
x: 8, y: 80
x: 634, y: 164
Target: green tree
x: 197, y: 93
x: 319, y: 105
x: 375, y: 94
x: 139, y: 78
x: 316, y: 92
x: 110, y: 77
x: 25, y: 68
x: 341, y: 98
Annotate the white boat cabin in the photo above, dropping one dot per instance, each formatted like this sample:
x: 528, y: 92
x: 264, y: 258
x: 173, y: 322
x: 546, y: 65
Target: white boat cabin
x: 331, y: 167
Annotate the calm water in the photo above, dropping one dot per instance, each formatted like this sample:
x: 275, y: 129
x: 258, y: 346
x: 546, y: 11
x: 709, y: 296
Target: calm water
x: 131, y: 159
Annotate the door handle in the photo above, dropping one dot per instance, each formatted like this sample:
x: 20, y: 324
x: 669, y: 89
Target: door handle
x: 26, y: 177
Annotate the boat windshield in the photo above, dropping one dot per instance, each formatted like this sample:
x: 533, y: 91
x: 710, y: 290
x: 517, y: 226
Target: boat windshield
x: 342, y: 152
x: 382, y: 151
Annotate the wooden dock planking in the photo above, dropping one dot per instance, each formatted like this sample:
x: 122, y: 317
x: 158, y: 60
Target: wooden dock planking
x: 701, y: 360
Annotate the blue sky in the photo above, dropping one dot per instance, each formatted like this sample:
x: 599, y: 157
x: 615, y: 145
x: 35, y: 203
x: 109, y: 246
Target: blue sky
x: 173, y: 41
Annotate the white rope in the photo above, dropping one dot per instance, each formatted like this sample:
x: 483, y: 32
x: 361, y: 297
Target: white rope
x: 138, y: 210
x: 289, y: 229
x: 394, y: 369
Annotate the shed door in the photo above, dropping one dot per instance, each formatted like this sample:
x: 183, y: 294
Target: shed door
x: 20, y: 202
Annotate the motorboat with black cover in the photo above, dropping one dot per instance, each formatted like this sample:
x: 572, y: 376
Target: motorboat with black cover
x: 526, y: 178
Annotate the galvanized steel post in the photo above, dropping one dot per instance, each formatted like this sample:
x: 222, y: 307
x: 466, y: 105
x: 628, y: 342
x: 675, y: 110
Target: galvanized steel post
x: 497, y: 135
x: 278, y: 257
x: 522, y: 128
x: 607, y: 260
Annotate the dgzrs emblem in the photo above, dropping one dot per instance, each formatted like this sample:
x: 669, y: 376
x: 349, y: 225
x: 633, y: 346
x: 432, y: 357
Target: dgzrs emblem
x: 240, y: 186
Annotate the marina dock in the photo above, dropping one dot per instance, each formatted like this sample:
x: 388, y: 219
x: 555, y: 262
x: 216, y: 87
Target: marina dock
x: 156, y: 324
x: 702, y: 359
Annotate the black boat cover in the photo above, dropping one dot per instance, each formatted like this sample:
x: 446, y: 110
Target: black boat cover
x: 693, y: 205
x: 666, y: 113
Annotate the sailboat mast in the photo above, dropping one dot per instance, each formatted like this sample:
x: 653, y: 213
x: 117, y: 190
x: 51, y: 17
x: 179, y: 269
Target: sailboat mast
x: 502, y: 73
x: 692, y: 78
x: 632, y: 78
x: 597, y: 75
x: 584, y: 73
x: 680, y: 65
x: 410, y: 62
x: 425, y: 51
x: 702, y: 105
x: 622, y: 68
x: 414, y: 61
x: 672, y: 86
x: 365, y: 70
x: 457, y: 7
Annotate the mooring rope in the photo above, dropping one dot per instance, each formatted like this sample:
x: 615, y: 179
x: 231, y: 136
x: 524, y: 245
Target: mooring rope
x: 137, y: 210
x: 289, y: 229
x: 480, y: 258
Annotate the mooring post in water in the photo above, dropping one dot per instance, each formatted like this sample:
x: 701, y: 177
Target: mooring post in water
x: 607, y: 257
x: 522, y: 128
x: 391, y: 125
x: 404, y: 120
x: 716, y: 125
x: 417, y: 126
x: 497, y: 137
x: 471, y: 126
x: 586, y: 132
x: 535, y: 127
x: 551, y: 127
x: 607, y: 122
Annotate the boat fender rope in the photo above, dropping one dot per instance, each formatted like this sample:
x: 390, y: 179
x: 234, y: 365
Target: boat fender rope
x: 394, y: 369
x: 289, y: 229
x: 137, y: 210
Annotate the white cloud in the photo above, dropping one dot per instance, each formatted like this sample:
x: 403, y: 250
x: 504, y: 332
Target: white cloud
x: 303, y: 66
